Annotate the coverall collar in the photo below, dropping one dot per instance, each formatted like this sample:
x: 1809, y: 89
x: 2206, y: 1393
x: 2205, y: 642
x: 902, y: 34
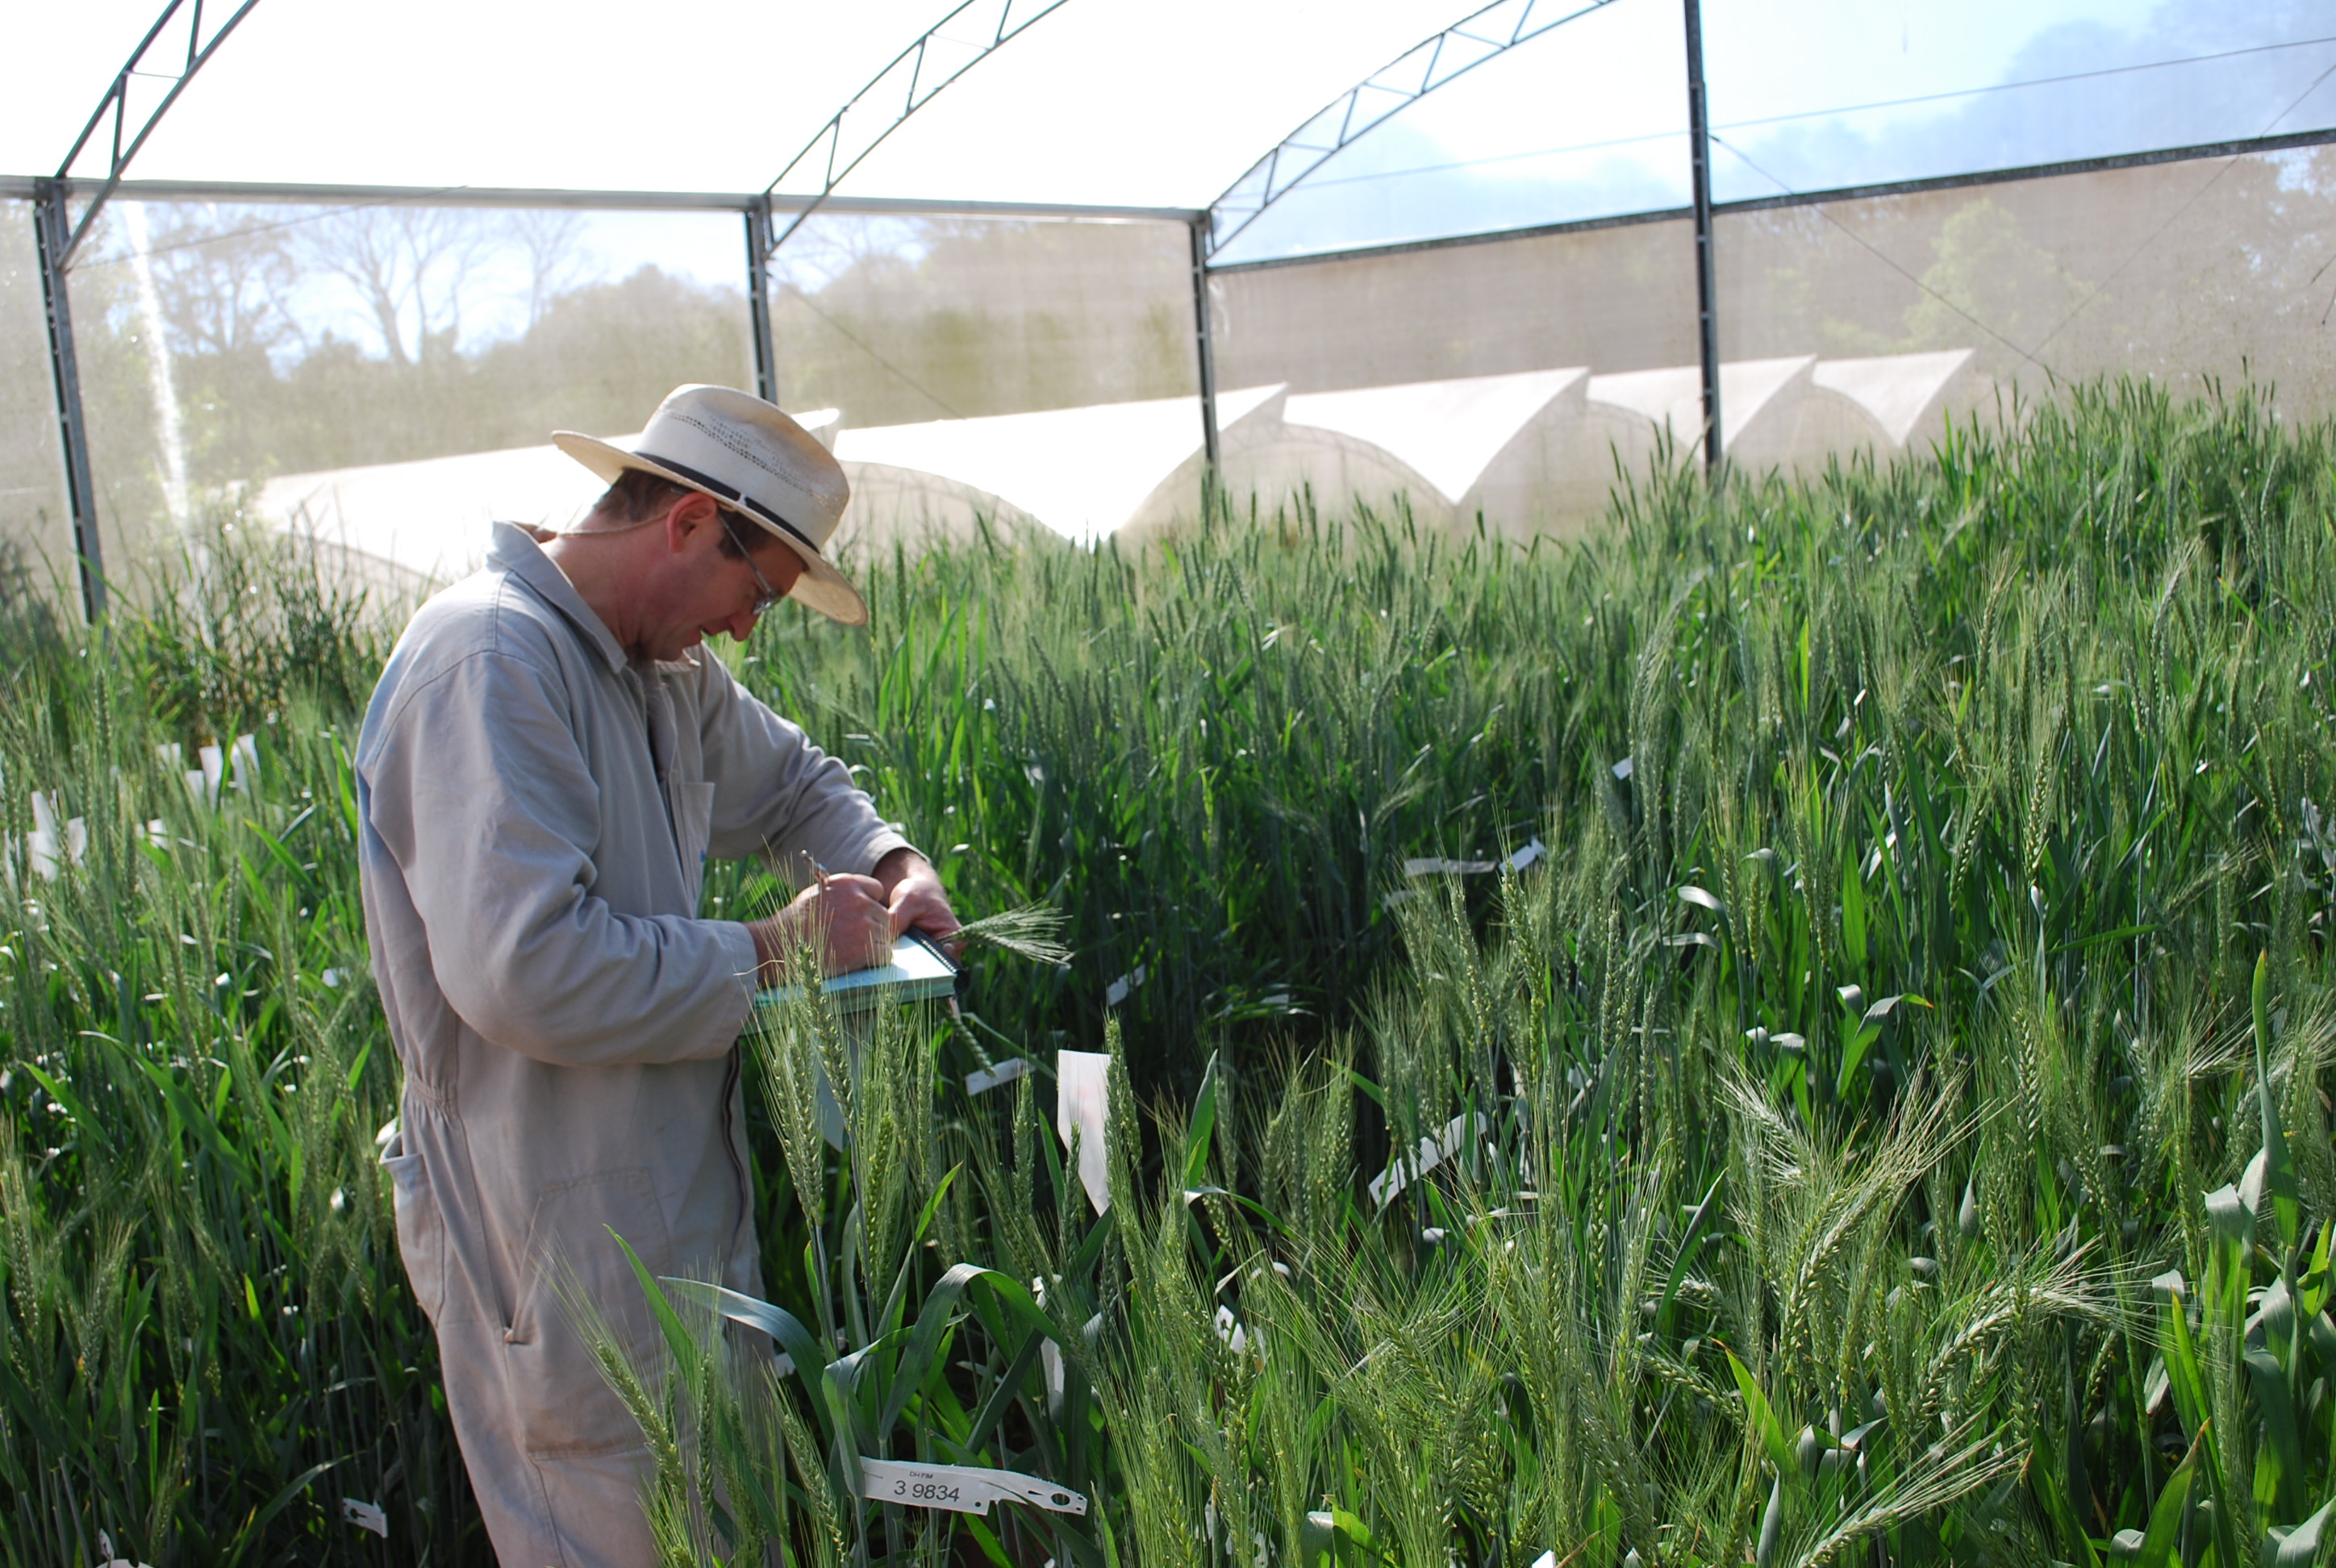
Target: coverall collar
x: 517, y: 549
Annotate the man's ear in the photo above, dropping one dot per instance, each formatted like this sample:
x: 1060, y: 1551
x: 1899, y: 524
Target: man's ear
x: 694, y: 511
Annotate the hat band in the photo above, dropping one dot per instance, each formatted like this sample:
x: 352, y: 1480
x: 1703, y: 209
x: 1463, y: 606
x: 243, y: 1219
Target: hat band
x: 730, y: 493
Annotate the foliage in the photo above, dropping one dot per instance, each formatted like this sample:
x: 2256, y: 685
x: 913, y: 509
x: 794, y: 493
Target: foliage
x: 1805, y: 1137
x: 738, y: 1453
x: 1827, y: 1100
x: 207, y: 1341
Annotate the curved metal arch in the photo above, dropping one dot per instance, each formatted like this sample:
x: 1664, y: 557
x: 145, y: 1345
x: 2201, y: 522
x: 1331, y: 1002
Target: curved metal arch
x: 117, y: 100
x: 917, y: 74
x: 1418, y: 71
x: 56, y: 236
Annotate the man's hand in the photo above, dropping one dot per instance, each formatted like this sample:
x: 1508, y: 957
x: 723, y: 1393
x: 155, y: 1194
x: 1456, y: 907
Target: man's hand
x: 913, y: 891
x: 845, y: 919
x: 850, y: 921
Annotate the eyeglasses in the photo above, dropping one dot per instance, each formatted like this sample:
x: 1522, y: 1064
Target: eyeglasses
x: 765, y: 595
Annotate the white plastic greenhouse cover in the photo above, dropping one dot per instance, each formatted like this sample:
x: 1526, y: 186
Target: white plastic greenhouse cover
x: 1103, y: 101
x: 1151, y: 103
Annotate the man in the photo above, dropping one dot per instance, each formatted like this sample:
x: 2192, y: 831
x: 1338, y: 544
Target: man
x: 547, y: 762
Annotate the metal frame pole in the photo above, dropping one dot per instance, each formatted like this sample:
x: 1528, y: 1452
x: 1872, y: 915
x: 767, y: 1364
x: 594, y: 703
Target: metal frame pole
x: 758, y: 300
x: 57, y: 237
x: 1707, y: 285
x: 1206, y: 347
x: 52, y: 230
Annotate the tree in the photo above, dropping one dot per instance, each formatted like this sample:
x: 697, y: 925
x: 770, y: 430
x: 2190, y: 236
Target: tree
x: 1991, y: 281
x: 557, y: 261
x: 223, y: 276
x: 602, y: 355
x: 409, y: 267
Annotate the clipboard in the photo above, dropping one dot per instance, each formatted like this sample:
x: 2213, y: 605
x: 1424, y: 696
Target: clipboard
x: 920, y: 972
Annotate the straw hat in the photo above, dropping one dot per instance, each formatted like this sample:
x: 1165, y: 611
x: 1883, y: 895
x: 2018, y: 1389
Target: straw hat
x: 756, y: 461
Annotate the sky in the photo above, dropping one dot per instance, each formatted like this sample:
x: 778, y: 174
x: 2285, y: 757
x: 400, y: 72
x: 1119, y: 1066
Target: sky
x: 1150, y: 103
x: 1589, y: 120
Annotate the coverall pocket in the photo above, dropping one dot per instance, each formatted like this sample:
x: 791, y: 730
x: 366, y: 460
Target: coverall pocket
x: 421, y: 1227
x: 563, y: 1404
x: 693, y: 830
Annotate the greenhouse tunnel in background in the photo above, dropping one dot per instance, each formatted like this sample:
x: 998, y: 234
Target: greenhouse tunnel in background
x: 1567, y: 155
x: 933, y: 337
x: 1479, y: 306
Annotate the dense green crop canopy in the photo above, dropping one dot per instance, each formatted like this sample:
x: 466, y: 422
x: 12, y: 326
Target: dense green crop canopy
x: 1890, y: 1113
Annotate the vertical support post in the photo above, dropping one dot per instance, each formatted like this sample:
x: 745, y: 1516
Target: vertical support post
x: 52, y: 227
x: 1706, y: 284
x: 758, y: 300
x: 1209, y: 448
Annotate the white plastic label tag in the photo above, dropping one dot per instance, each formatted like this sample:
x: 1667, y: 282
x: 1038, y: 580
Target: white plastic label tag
x: 982, y: 1080
x: 961, y: 1488
x: 246, y: 759
x: 1432, y: 1152
x: 1437, y: 866
x: 365, y: 1515
x: 1120, y: 988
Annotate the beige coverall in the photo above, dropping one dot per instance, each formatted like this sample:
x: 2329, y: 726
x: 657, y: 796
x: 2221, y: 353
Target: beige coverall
x: 536, y: 809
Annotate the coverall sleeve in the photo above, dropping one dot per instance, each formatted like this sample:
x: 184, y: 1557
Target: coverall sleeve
x: 478, y: 791
x: 777, y: 794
